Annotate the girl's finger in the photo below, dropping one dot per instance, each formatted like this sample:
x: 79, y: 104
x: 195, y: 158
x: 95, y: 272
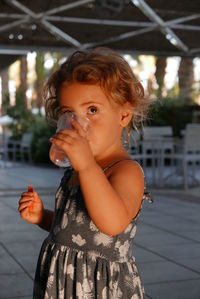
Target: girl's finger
x: 59, y: 142
x: 25, y: 200
x: 27, y: 194
x: 63, y: 136
x: 67, y: 132
x: 24, y: 205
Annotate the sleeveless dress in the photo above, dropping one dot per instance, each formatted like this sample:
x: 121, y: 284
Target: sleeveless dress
x: 77, y: 260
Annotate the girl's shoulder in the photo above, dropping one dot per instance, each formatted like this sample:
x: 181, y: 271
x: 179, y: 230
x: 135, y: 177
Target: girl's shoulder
x: 128, y: 170
x: 124, y: 166
x: 129, y: 175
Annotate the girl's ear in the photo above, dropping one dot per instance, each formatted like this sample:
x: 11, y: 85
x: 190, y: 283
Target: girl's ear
x: 126, y: 114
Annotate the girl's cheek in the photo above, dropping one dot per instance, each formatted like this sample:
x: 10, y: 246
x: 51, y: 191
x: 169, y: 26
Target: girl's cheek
x: 91, y: 129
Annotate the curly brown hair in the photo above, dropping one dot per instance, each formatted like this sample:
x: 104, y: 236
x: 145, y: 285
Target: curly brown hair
x: 104, y: 67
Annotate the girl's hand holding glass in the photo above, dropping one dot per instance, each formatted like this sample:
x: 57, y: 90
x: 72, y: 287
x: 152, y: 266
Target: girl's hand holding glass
x: 31, y: 206
x: 75, y: 144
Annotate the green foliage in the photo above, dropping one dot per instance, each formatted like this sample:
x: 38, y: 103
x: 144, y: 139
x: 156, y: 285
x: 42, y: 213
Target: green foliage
x: 21, y: 116
x: 41, y: 144
x: 175, y: 112
x: 56, y: 57
x: 6, y: 101
x: 25, y: 121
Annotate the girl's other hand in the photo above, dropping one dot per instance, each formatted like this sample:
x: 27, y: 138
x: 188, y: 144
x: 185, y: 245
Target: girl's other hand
x: 31, y: 207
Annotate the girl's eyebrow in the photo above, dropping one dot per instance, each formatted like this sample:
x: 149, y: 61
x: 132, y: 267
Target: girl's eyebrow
x: 84, y: 104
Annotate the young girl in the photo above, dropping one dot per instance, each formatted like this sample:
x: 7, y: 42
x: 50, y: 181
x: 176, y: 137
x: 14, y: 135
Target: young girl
x: 88, y: 252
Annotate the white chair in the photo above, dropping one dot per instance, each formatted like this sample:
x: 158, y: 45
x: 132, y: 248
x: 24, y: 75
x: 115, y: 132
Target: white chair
x: 2, y: 150
x: 138, y: 152
x: 157, y: 133
x: 187, y: 152
x: 25, y: 147
x: 4, y: 140
x: 156, y: 140
x: 155, y: 143
x: 22, y: 147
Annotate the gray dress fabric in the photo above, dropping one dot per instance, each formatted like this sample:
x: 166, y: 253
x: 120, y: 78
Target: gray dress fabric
x: 78, y: 261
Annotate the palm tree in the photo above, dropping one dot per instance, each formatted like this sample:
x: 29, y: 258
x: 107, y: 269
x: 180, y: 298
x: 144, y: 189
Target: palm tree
x: 4, y: 87
x: 161, y: 63
x: 186, y: 77
x: 23, y: 78
x: 40, y: 73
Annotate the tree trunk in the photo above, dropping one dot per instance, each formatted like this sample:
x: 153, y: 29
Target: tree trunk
x: 161, y: 63
x: 4, y: 87
x: 23, y: 79
x: 186, y: 77
x: 40, y: 72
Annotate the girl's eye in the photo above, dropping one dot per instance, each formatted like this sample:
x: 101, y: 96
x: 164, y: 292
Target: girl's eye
x: 92, y: 109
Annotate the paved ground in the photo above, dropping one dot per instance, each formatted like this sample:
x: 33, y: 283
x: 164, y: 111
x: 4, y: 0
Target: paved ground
x: 167, y: 243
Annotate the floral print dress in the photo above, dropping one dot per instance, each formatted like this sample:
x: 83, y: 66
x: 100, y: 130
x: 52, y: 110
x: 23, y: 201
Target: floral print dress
x: 78, y: 261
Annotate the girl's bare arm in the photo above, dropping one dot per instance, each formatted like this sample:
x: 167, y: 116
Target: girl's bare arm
x: 46, y: 220
x: 112, y: 203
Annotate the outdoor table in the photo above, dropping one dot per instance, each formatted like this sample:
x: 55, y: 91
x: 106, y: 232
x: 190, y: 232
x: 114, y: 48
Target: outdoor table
x: 155, y: 150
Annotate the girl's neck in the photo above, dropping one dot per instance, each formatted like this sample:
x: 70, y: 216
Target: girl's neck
x: 118, y: 155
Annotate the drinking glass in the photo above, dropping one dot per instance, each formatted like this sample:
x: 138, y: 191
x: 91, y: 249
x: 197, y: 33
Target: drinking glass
x: 57, y: 155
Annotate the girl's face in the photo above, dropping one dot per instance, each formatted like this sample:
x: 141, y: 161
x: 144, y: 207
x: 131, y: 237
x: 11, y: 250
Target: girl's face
x: 106, y: 118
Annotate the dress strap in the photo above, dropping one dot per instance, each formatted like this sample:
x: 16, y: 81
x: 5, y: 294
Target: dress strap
x: 147, y: 196
x: 113, y: 163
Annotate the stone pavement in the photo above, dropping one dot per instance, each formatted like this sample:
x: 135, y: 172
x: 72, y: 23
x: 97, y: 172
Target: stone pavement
x: 166, y: 247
